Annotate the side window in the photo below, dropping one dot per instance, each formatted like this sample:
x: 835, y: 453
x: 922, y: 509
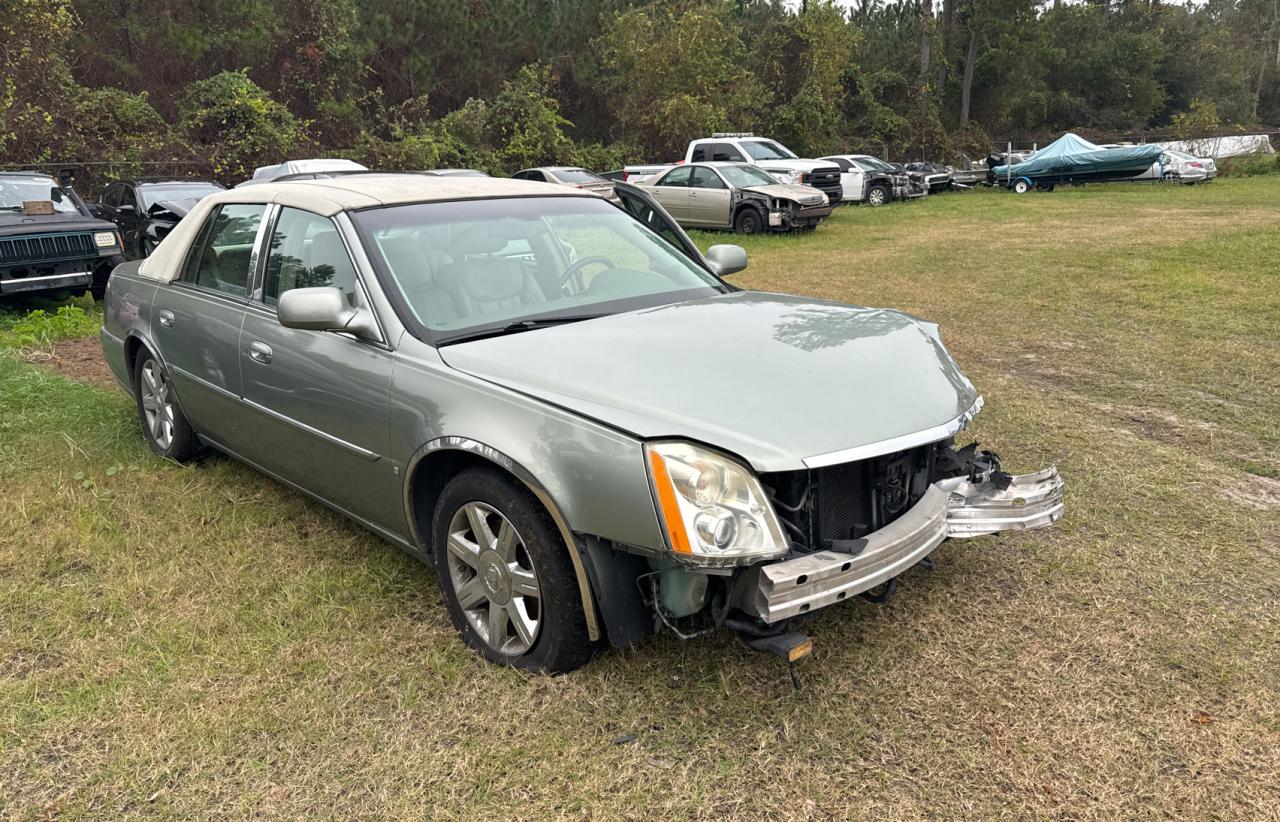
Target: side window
x: 111, y: 197
x: 706, y: 178
x: 699, y: 153
x: 220, y: 257
x: 725, y: 152
x: 306, y: 251
x: 536, y: 176
x: 676, y: 177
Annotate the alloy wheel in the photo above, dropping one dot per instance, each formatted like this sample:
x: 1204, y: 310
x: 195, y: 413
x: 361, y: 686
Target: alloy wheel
x: 156, y: 404
x: 494, y: 579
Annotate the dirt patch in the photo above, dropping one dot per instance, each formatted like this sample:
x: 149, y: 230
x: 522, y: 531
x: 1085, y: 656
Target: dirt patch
x: 1258, y: 493
x: 79, y: 359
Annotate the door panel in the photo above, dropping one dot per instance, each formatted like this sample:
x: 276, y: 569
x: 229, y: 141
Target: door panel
x: 709, y: 199
x: 196, y: 321
x: 319, y: 398
x: 198, y: 335
x: 320, y: 405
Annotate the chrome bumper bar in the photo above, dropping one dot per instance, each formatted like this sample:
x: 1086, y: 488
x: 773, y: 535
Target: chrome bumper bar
x: 950, y: 508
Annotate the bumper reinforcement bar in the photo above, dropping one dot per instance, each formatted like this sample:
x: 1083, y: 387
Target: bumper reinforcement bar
x: 950, y: 508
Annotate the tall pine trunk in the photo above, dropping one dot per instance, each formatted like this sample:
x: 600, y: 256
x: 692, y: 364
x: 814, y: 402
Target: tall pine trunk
x: 966, y: 91
x: 926, y: 20
x: 948, y: 15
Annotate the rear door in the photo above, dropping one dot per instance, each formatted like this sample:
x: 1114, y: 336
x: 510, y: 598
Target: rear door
x: 672, y: 191
x: 709, y: 198
x: 321, y: 398
x: 196, y: 321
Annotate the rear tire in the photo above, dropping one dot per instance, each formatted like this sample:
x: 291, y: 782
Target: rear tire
x: 877, y: 195
x: 747, y: 221
x: 505, y: 575
x: 164, y: 425
x: 1021, y: 187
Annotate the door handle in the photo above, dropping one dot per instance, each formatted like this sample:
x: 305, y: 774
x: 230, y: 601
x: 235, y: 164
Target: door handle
x: 166, y: 318
x: 260, y: 352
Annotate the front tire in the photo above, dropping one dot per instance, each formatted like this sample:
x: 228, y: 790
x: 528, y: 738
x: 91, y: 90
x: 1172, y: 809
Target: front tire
x: 1021, y: 187
x: 877, y: 196
x: 747, y: 221
x: 164, y: 425
x: 505, y: 576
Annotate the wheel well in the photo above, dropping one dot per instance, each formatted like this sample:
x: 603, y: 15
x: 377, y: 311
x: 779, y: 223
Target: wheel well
x: 756, y: 207
x: 132, y: 345
x: 431, y: 474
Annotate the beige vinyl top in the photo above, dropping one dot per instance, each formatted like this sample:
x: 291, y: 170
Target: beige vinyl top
x: 346, y: 193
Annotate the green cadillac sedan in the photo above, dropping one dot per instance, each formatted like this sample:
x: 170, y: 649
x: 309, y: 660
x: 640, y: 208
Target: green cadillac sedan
x: 559, y: 403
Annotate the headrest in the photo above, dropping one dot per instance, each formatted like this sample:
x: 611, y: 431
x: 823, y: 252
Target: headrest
x: 327, y: 249
x: 402, y: 253
x: 476, y: 239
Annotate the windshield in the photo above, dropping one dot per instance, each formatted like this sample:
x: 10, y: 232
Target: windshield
x: 172, y: 193
x: 464, y: 269
x: 766, y: 150
x: 747, y: 176
x: 872, y: 164
x: 14, y: 191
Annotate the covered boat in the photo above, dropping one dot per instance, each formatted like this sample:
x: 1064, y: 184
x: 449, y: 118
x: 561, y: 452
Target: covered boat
x: 1073, y: 159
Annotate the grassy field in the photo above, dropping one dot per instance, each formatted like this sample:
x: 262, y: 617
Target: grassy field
x: 190, y: 642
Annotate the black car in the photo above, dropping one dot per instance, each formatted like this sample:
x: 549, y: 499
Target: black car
x: 146, y: 209
x: 49, y: 239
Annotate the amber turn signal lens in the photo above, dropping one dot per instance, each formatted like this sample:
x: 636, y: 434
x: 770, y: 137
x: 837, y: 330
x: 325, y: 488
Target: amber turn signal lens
x: 800, y: 651
x: 670, y: 508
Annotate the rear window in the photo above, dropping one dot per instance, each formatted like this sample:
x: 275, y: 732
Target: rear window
x: 576, y: 175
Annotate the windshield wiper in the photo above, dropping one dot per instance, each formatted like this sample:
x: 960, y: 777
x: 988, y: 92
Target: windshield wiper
x: 515, y: 328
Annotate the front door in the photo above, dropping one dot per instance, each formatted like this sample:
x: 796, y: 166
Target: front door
x: 709, y: 199
x: 321, y: 398
x: 196, y: 320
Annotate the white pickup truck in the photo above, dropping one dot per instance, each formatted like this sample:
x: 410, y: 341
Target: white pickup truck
x: 771, y: 156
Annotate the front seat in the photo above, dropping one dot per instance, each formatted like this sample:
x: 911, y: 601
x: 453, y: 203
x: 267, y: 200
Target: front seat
x: 415, y: 274
x: 481, y: 285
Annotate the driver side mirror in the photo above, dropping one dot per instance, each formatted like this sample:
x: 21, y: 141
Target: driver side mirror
x: 324, y: 309
x: 726, y: 259
x: 125, y: 208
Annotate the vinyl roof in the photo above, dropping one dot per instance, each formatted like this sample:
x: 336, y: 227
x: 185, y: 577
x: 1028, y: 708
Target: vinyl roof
x: 347, y: 193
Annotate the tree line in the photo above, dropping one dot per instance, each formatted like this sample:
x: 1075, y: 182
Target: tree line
x: 499, y: 84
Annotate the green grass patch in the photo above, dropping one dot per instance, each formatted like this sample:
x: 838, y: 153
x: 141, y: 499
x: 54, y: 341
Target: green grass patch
x: 200, y: 641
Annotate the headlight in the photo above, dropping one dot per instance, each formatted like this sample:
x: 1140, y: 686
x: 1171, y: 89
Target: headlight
x: 712, y: 507
x: 104, y: 239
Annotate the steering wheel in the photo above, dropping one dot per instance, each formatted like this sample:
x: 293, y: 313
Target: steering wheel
x: 577, y: 266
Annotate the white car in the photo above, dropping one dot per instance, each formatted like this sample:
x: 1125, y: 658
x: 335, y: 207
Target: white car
x: 1180, y: 167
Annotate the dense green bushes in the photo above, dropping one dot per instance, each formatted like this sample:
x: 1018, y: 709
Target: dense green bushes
x: 500, y: 85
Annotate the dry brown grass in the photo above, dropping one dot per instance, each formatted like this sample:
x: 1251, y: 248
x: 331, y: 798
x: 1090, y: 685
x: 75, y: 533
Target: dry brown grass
x: 201, y: 642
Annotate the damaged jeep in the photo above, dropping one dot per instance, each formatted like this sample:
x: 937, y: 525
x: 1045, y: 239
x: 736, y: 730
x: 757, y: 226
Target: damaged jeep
x: 738, y: 197
x: 560, y: 404
x: 49, y: 239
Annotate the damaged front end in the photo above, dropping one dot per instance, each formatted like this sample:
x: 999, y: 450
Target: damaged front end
x: 854, y: 527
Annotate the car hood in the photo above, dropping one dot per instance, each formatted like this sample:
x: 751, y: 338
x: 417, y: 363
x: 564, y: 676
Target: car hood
x: 801, y: 194
x: 775, y: 379
x: 796, y: 165
x: 13, y: 223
